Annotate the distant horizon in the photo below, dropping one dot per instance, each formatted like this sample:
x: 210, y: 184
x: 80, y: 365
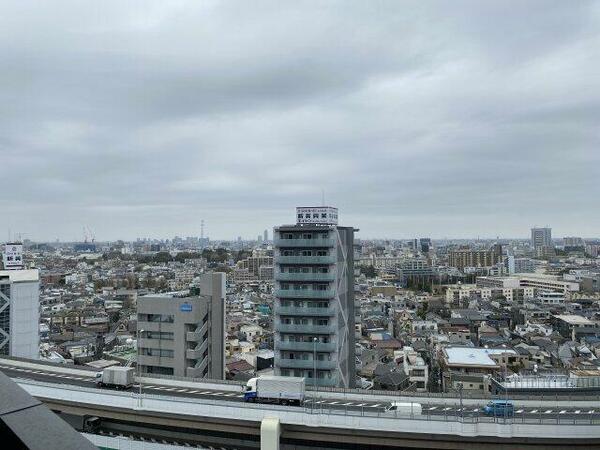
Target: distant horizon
x: 472, y: 239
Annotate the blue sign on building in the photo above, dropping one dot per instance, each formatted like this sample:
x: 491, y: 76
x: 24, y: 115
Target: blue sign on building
x: 186, y: 307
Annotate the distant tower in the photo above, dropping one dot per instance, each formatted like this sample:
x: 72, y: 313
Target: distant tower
x: 202, y: 229
x: 541, y: 241
x: 265, y: 236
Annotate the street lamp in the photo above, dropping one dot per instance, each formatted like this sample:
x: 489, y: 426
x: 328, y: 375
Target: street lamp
x: 138, y: 366
x: 315, y: 363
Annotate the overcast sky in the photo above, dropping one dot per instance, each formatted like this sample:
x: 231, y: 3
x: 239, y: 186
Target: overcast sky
x: 441, y: 119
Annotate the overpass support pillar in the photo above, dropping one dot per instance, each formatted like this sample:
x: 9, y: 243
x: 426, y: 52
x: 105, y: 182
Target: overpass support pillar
x: 270, y: 430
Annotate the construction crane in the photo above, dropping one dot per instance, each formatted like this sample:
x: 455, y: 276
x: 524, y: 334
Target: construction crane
x: 88, y: 234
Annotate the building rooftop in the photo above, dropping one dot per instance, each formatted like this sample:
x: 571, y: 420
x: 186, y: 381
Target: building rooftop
x: 573, y: 319
x: 16, y: 276
x: 466, y: 356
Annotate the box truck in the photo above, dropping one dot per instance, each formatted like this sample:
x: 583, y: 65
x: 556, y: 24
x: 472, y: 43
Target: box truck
x: 116, y: 377
x: 275, y: 389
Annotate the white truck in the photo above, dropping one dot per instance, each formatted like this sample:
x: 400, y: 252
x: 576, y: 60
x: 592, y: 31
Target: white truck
x: 115, y: 377
x: 275, y: 389
x: 404, y: 409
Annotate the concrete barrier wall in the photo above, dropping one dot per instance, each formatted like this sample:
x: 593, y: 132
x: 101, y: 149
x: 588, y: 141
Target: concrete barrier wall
x: 298, y: 416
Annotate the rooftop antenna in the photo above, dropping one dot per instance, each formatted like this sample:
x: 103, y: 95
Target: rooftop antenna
x: 322, y: 197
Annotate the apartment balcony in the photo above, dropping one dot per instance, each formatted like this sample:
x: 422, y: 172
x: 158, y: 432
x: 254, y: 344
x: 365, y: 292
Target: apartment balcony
x: 305, y: 243
x: 329, y: 259
x: 198, y: 335
x: 299, y: 311
x: 307, y: 329
x: 193, y: 353
x: 305, y: 364
x: 305, y: 346
x: 304, y: 293
x: 198, y: 370
x: 196, y: 353
x: 289, y: 276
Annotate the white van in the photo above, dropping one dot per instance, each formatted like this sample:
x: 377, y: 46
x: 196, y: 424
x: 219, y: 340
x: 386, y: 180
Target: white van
x: 404, y: 409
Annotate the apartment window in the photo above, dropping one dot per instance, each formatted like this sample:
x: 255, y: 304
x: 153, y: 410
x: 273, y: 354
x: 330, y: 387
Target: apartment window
x: 159, y: 370
x: 157, y: 352
x: 159, y: 335
x: 164, y: 318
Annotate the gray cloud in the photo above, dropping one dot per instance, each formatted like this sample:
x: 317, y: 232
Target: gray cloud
x: 140, y: 119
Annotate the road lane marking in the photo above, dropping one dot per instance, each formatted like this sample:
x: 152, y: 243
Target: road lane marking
x: 519, y: 411
x: 563, y: 411
x: 591, y: 411
x: 376, y: 405
x: 231, y: 394
x: 181, y: 390
x: 578, y: 411
x: 333, y: 403
x: 548, y: 411
x: 447, y: 409
x: 194, y: 392
x: 432, y: 408
x: 361, y: 404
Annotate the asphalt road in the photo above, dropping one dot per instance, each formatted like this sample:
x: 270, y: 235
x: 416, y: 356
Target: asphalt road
x: 429, y: 409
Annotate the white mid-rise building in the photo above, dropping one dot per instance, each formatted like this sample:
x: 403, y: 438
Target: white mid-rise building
x: 19, y: 313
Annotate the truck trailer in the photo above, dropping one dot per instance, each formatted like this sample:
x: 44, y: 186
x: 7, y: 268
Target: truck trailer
x: 275, y: 389
x: 115, y: 377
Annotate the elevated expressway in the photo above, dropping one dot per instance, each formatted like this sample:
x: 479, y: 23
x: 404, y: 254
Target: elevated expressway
x: 213, y: 413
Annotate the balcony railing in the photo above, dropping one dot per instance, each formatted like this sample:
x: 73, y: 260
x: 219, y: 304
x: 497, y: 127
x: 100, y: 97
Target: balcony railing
x: 196, y: 336
x: 198, y: 370
x: 329, y: 259
x: 305, y: 364
x: 305, y: 346
x: 290, y: 276
x: 308, y: 329
x: 319, y: 242
x: 299, y: 311
x: 193, y: 353
x: 304, y: 293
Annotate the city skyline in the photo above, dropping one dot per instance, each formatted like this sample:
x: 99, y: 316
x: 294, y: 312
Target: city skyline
x: 426, y: 120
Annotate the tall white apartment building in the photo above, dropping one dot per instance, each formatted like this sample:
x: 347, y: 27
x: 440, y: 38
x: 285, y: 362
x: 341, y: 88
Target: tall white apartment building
x: 314, y: 298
